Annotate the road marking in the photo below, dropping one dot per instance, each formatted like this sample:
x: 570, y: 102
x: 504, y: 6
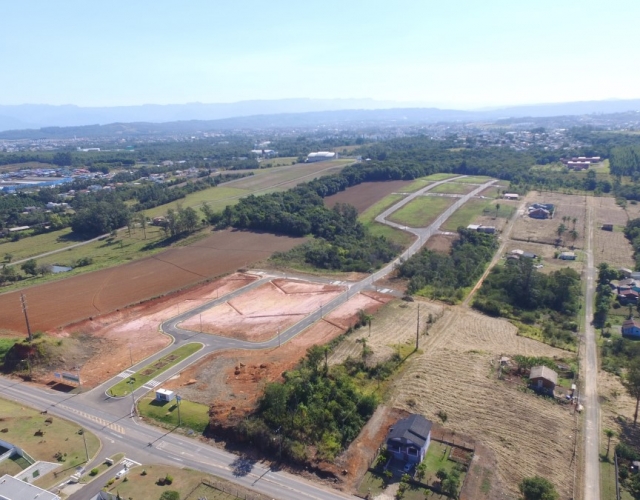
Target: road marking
x: 151, y: 384
x: 125, y: 374
x: 127, y: 462
x: 115, y: 427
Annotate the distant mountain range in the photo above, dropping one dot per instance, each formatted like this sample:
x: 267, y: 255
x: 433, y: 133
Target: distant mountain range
x: 264, y: 114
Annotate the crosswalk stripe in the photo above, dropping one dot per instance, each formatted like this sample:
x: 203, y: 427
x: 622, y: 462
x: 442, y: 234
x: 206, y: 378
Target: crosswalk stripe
x: 101, y: 421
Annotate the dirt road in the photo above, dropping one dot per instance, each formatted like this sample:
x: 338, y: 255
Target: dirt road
x: 589, y: 397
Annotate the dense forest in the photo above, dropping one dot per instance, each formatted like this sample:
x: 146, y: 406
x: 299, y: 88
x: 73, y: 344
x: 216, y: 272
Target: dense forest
x: 518, y: 291
x: 444, y: 276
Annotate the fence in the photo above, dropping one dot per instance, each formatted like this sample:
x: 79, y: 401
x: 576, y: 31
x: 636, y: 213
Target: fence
x: 615, y: 461
x: 233, y: 491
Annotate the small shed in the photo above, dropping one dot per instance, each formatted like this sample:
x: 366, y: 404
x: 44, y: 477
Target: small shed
x: 543, y: 379
x: 487, y: 229
x: 607, y: 227
x: 511, y: 196
x: 567, y: 256
x: 165, y: 395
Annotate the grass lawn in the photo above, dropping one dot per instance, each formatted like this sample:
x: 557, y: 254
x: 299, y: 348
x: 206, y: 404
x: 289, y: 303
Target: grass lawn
x: 35, y: 245
x: 13, y: 465
x: 466, y: 214
x: 422, y: 211
x: 218, y: 198
x: 475, y: 179
x: 380, y: 206
x: 397, y: 236
x: 278, y: 162
x: 436, y: 459
x: 186, y: 482
x: 6, y: 343
x: 193, y: 415
x: 59, y: 437
x: 142, y: 376
x: 453, y: 188
x: 371, y: 484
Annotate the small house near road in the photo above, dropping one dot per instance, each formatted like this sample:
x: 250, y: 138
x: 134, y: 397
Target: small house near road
x: 567, y: 256
x: 409, y: 438
x: 628, y: 297
x: 543, y: 379
x: 631, y: 328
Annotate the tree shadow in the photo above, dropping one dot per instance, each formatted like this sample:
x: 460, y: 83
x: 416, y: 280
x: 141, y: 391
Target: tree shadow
x: 242, y: 466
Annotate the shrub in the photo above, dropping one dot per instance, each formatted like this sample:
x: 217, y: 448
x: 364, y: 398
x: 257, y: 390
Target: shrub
x: 170, y: 495
x: 168, y: 479
x: 94, y: 472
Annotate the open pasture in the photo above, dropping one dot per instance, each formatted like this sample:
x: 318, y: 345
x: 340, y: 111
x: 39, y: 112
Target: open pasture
x: 59, y: 303
x: 546, y: 231
x: 453, y: 188
x: 259, y: 314
x: 456, y: 374
x: 478, y: 211
x: 422, y: 211
x: 611, y: 246
x: 366, y: 194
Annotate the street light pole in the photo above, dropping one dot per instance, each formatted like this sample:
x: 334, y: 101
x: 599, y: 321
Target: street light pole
x: 133, y: 398
x: 178, y: 399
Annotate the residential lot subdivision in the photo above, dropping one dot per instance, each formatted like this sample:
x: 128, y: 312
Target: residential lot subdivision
x: 259, y: 314
x: 546, y: 230
x: 611, y: 246
x: 60, y: 303
x: 229, y: 383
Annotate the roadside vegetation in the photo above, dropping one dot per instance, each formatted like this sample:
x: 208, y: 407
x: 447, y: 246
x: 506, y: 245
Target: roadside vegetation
x: 445, y: 276
x: 543, y: 306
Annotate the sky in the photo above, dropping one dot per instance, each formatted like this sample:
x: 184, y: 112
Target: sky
x: 447, y: 53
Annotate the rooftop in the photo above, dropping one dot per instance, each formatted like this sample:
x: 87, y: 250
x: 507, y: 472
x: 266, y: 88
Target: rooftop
x: 415, y: 428
x: 14, y: 489
x: 545, y: 373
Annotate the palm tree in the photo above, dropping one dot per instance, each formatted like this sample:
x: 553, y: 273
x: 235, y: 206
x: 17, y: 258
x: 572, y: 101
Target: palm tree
x: 609, y: 433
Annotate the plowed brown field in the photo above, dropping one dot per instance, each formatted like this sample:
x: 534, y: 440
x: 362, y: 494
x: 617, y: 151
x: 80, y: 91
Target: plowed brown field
x: 59, y: 303
x: 366, y: 194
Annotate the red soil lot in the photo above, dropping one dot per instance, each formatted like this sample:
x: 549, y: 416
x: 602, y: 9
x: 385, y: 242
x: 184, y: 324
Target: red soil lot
x: 60, y: 303
x: 366, y: 194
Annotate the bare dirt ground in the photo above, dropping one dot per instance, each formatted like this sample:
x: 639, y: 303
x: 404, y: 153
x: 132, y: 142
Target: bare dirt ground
x: 260, y: 313
x: 63, y: 302
x: 366, y: 194
x: 456, y: 374
x: 545, y: 231
x: 441, y: 242
x: 110, y: 342
x: 611, y: 246
x: 617, y: 408
x: 230, y: 382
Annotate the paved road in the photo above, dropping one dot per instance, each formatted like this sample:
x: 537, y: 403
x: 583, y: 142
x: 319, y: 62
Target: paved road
x: 111, y: 418
x: 590, y: 364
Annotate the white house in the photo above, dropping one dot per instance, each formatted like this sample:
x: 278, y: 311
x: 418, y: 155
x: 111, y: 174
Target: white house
x: 321, y: 156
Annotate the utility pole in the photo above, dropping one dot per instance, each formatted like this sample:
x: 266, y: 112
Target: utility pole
x: 26, y: 317
x: 133, y: 398
x: 86, y: 450
x: 178, y: 399
x: 418, y: 329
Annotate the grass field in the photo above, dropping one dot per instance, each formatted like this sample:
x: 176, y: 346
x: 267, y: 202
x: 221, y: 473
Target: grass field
x: 141, y: 377
x: 217, y: 197
x: 425, y: 181
x: 193, y: 415
x: 41, y: 243
x: 58, y: 437
x: 436, y: 459
x: 473, y: 209
x: 422, y: 211
x: 376, y: 209
x: 102, y: 468
x: 402, y: 238
x: 475, y: 179
x: 453, y: 188
x: 187, y: 482
x: 278, y: 162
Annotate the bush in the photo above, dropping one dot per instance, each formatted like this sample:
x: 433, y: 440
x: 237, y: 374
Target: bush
x: 168, y: 479
x: 170, y: 495
x: 94, y: 472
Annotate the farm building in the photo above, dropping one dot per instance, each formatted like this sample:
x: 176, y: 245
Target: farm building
x: 631, y: 328
x: 409, y: 438
x: 264, y: 153
x: 482, y: 229
x: 539, y: 213
x: 567, y: 256
x: 628, y: 297
x: 14, y: 489
x: 521, y: 253
x: 626, y: 272
x: 511, y: 196
x: 607, y: 227
x: 321, y: 156
x: 543, y: 378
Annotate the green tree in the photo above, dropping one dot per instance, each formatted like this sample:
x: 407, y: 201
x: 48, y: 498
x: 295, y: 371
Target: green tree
x: 537, y: 488
x: 497, y: 209
x: 561, y: 230
x: 632, y: 383
x: 609, y: 433
x: 30, y: 267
